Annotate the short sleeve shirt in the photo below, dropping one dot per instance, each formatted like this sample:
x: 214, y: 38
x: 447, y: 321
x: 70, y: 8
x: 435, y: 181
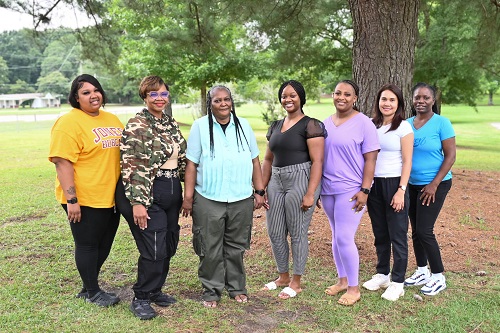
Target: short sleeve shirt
x: 290, y: 147
x: 92, y: 144
x: 428, y: 153
x: 344, y: 148
x: 225, y: 176
x: 390, y: 159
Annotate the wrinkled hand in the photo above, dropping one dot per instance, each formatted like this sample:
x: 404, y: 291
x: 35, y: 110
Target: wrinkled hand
x: 307, y: 202
x: 74, y: 213
x: 360, y: 199
x: 428, y: 194
x: 141, y: 216
x: 187, y: 207
x: 398, y: 201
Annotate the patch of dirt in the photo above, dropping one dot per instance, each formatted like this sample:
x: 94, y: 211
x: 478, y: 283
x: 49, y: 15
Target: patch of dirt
x: 467, y: 229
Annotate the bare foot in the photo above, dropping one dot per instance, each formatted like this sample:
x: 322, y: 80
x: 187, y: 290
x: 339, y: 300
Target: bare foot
x: 242, y: 298
x: 210, y: 304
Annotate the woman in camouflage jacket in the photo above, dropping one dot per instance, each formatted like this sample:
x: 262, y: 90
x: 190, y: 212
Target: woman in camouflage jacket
x: 153, y: 161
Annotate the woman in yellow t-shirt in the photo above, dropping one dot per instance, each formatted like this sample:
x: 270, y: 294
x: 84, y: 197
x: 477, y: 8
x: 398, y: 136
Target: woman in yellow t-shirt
x: 85, y: 148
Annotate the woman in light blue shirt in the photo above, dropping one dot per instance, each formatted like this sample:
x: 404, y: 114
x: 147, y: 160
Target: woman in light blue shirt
x: 434, y: 152
x: 223, y: 163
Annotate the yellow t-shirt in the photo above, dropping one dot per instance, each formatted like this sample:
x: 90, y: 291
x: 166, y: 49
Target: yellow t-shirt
x: 92, y: 144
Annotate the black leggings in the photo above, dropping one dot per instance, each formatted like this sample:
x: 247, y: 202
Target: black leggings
x: 158, y: 242
x: 93, y: 237
x: 422, y: 219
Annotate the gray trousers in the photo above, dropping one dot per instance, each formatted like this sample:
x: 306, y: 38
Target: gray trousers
x: 221, y: 234
x: 285, y: 191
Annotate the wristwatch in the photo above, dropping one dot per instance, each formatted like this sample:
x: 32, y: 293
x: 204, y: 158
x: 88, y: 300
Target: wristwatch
x: 260, y: 192
x: 365, y: 190
x: 73, y: 200
x: 402, y: 187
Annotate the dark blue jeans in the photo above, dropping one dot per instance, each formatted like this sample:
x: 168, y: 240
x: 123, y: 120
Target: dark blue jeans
x: 422, y: 219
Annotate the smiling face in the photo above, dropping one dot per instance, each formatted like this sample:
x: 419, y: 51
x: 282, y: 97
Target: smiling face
x: 157, y: 103
x: 221, y: 105
x: 423, y: 100
x: 344, y: 97
x: 388, y: 104
x: 290, y: 100
x: 90, y: 98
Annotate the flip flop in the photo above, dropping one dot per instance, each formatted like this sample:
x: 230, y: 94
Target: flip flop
x: 289, y: 292
x: 334, y: 290
x: 348, y: 299
x: 270, y: 286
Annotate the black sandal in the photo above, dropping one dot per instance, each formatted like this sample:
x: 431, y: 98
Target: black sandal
x: 103, y: 299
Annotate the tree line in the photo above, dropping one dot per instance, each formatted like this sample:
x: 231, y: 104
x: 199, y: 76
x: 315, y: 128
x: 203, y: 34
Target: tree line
x: 257, y: 44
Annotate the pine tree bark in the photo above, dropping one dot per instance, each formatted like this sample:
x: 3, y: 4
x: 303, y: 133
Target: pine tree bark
x: 385, y: 35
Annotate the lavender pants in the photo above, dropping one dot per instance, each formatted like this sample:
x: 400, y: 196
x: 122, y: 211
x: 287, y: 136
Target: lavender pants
x: 344, y: 223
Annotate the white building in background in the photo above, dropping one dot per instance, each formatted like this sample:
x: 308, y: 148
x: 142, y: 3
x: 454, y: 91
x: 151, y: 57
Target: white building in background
x: 39, y: 100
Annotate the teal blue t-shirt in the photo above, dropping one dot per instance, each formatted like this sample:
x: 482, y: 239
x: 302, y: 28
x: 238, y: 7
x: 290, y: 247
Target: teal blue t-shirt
x: 227, y: 176
x: 428, y: 149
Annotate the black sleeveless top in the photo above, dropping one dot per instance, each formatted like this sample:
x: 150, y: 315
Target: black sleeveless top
x: 290, y: 147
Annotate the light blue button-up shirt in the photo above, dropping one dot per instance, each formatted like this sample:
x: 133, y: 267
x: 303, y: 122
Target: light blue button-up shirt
x: 227, y: 176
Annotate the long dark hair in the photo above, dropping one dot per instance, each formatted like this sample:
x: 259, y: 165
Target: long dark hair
x: 78, y: 83
x: 433, y: 92
x: 378, y: 117
x: 299, y: 89
x: 239, y: 129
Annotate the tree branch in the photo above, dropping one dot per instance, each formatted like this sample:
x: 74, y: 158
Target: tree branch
x: 44, y: 18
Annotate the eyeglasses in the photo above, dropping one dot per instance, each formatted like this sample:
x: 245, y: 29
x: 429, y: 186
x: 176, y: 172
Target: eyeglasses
x: 156, y: 94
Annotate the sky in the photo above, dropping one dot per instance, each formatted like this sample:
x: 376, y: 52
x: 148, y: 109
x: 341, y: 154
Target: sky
x: 62, y: 15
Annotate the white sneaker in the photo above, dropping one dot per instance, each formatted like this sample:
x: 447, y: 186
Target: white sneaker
x: 434, y: 286
x: 394, y: 291
x: 377, y: 281
x: 418, y: 279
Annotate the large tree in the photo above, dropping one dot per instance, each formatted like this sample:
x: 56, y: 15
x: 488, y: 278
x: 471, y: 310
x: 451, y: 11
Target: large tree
x: 385, y: 35
x: 191, y: 44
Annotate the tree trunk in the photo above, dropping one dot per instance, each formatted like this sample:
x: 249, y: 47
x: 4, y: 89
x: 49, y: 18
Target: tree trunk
x: 203, y: 93
x: 490, y: 97
x: 385, y: 35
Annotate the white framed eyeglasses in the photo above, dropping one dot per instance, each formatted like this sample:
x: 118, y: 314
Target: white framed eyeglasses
x: 156, y: 94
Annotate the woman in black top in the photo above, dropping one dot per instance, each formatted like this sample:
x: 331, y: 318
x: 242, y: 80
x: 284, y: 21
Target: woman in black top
x: 292, y: 171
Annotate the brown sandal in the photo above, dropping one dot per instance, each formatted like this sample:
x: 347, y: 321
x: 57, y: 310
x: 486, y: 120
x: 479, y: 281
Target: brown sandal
x: 348, y: 299
x: 334, y: 290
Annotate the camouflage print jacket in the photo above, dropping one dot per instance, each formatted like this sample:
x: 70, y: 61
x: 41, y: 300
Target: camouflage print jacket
x: 147, y: 143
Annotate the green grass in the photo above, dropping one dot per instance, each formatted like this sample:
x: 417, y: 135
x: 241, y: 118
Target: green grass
x: 38, y: 276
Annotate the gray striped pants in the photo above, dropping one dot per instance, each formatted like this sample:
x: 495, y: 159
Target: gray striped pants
x: 285, y: 191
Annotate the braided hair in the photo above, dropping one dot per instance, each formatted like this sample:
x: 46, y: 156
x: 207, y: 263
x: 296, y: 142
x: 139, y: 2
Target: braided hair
x: 433, y: 92
x: 356, y: 91
x: 299, y: 89
x: 239, y: 128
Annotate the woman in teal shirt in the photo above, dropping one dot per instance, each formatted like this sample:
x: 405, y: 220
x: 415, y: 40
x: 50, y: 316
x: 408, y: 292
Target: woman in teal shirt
x: 223, y: 163
x: 434, y: 152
